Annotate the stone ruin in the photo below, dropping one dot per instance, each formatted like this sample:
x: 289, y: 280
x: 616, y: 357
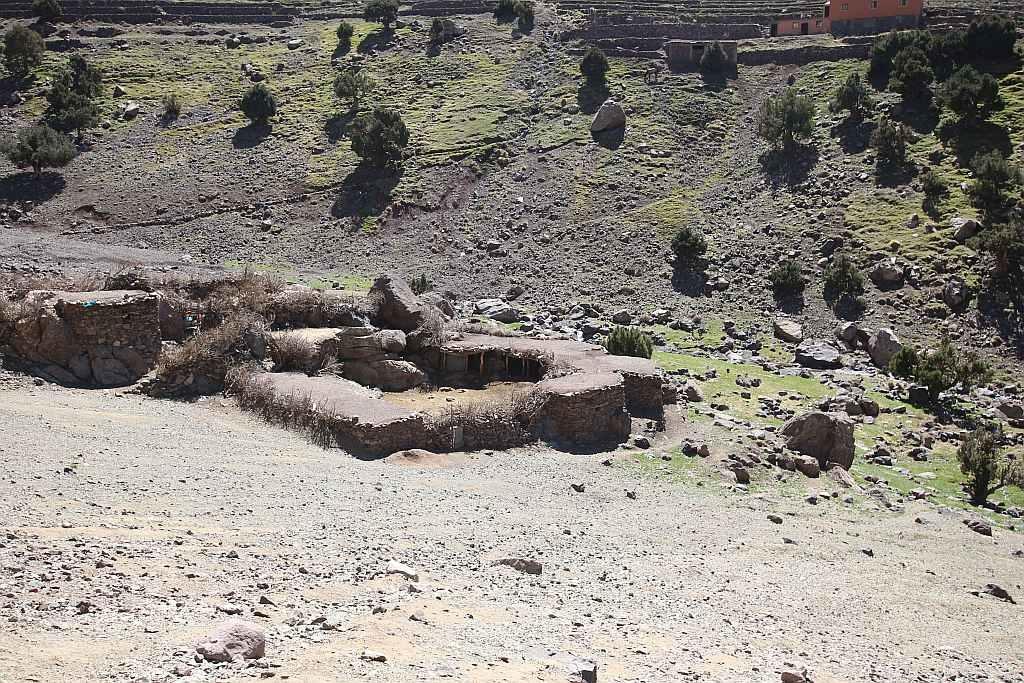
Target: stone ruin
x: 91, y: 339
x: 580, y: 397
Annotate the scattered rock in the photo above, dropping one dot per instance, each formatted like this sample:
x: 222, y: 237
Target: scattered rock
x: 396, y: 567
x: 232, y: 641
x: 818, y: 355
x: 520, y: 564
x: 979, y: 526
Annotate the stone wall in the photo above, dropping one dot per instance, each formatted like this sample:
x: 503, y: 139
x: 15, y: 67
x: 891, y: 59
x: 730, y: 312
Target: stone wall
x: 668, y: 31
x: 685, y: 53
x: 805, y: 54
x: 583, y: 410
x: 93, y: 339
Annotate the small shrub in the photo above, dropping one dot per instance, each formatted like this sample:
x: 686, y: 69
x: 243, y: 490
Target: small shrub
x: 971, y: 96
x: 629, y: 341
x: 505, y: 9
x: 47, y: 10
x: 258, y: 104
x: 842, y: 279
x: 525, y: 12
x: 933, y: 185
x: 852, y: 96
x: 993, y: 176
x: 211, y: 354
x: 172, y: 106
x: 380, y: 137
x: 291, y: 352
x: 594, y: 66
x: 352, y: 85
x: 420, y: 284
x: 39, y: 147
x: 714, y: 59
x: 903, y: 364
x: 345, y: 32
x: 911, y: 74
x: 23, y: 50
x: 786, y: 118
x: 987, y: 468
x: 786, y: 279
x: 689, y: 244
x: 944, y: 368
x: 890, y: 142
x: 381, y: 11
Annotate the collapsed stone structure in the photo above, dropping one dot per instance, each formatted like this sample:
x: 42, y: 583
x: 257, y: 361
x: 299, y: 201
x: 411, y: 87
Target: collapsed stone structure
x: 580, y: 396
x: 92, y: 339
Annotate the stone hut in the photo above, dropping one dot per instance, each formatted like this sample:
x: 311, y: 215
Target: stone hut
x: 686, y: 54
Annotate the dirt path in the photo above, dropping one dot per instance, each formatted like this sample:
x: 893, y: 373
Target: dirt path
x: 129, y: 522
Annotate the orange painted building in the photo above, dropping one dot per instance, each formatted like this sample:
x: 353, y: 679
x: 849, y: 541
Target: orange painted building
x: 853, y: 17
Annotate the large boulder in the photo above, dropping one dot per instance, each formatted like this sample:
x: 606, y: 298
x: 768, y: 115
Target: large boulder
x: 882, y: 346
x: 964, y: 228
x: 955, y: 293
x: 887, y: 275
x: 496, y: 309
x: 609, y: 117
x: 232, y: 641
x: 828, y: 437
x: 788, y: 330
x: 847, y: 333
x: 366, y: 343
x: 818, y: 355
x: 398, y: 307
x: 389, y: 375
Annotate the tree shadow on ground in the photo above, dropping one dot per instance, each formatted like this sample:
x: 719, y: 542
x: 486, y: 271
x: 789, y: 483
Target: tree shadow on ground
x: 25, y: 187
x: 610, y: 139
x: 716, y: 81
x: 922, y: 120
x: 366, y: 191
x: 249, y: 136
x: 895, y: 175
x: 690, y: 279
x: 591, y: 96
x: 10, y: 85
x: 789, y: 165
x: 340, y: 51
x: 1001, y: 306
x: 790, y: 304
x: 377, y: 40
x: 854, y: 136
x: 846, y: 307
x: 970, y: 140
x: 337, y: 125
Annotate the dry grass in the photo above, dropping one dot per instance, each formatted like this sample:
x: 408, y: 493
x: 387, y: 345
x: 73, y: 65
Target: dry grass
x: 292, y: 352
x: 493, y: 329
x: 495, y: 425
x: 435, y: 327
x: 211, y: 354
x: 294, y: 411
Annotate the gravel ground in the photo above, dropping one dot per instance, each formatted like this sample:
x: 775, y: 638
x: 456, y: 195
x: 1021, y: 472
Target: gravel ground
x: 132, y: 526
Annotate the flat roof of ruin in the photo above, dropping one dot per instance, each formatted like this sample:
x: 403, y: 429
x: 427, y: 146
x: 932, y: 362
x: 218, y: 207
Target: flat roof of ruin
x: 580, y: 382
x: 339, y: 395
